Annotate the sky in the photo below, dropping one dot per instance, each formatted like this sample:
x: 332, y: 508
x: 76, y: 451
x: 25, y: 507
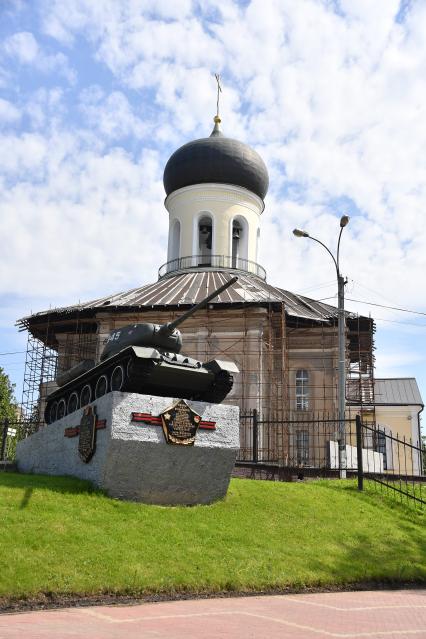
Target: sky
x: 96, y: 96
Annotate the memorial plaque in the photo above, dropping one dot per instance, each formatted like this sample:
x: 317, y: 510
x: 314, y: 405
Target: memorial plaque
x: 180, y: 424
x: 87, y: 435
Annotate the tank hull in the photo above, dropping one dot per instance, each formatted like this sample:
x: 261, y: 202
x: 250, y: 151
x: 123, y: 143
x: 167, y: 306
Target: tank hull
x: 143, y: 370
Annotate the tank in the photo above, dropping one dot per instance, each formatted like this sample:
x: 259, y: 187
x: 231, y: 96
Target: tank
x: 146, y: 359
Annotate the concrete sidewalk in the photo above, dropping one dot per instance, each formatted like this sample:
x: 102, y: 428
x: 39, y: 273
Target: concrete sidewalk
x: 394, y: 614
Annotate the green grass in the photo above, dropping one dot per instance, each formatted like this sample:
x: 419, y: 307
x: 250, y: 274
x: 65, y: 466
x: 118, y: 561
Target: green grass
x: 60, y: 536
x: 400, y: 490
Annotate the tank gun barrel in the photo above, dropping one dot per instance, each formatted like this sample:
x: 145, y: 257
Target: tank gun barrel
x: 170, y: 326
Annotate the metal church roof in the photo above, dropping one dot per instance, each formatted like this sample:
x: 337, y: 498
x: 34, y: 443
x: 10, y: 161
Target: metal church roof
x: 191, y: 287
x: 397, y: 391
x: 216, y: 159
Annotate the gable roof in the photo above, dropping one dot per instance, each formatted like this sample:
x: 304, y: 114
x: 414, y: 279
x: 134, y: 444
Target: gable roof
x: 397, y: 391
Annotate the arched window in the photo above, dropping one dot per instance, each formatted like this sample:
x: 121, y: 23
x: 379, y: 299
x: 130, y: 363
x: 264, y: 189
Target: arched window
x: 237, y: 233
x: 302, y: 389
x: 205, y: 238
x: 174, y: 245
x: 239, y: 241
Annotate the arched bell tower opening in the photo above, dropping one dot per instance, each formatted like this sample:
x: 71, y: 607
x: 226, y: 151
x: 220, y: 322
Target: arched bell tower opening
x: 205, y: 240
x: 239, y: 242
x: 174, y: 241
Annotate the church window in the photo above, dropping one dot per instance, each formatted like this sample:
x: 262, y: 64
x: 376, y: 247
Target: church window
x: 205, y: 237
x: 302, y: 446
x: 302, y: 389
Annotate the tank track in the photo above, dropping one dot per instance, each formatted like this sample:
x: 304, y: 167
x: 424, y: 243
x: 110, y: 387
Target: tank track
x: 127, y: 373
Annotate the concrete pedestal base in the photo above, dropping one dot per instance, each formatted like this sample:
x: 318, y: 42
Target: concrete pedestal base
x: 132, y: 459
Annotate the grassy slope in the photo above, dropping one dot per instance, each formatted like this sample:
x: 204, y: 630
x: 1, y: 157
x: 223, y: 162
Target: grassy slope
x: 59, y: 536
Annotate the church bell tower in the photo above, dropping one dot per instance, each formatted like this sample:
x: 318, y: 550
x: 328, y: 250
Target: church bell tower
x: 215, y: 189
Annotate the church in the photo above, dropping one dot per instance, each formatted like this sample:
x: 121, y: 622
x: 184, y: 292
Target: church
x: 285, y: 345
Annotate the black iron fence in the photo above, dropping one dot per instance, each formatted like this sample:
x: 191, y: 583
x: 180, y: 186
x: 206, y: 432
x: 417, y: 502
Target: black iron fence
x: 308, y: 443
x: 280, y: 449
x: 396, y: 465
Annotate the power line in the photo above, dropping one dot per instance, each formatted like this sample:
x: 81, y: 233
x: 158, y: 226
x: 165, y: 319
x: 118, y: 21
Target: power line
x: 317, y: 287
x: 372, y: 290
x: 13, y: 353
x: 382, y: 319
x: 393, y: 308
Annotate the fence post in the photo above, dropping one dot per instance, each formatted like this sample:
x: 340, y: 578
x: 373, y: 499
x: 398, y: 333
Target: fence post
x: 4, y: 439
x: 255, y: 437
x: 359, y: 452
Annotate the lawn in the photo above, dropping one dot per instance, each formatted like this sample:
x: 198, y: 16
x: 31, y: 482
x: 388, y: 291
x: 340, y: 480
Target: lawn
x: 60, y: 536
x: 400, y: 489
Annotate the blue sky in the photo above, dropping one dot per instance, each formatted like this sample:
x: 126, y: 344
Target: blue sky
x: 95, y: 96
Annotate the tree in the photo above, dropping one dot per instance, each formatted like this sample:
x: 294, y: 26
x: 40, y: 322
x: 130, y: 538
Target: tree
x: 7, y: 398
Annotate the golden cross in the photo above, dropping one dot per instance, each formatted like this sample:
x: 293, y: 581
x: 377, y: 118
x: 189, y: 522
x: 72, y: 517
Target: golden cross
x: 219, y: 90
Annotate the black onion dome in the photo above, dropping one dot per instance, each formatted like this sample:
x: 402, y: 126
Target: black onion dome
x: 216, y: 159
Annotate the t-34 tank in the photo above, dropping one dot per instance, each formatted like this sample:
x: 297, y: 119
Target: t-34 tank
x: 143, y: 358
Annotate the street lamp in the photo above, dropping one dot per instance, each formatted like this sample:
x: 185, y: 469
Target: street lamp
x: 344, y: 221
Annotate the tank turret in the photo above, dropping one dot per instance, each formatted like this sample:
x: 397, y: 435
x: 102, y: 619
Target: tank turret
x: 161, y: 336
x: 144, y: 358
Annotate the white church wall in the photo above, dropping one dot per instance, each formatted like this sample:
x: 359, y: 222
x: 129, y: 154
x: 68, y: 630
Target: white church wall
x: 223, y: 203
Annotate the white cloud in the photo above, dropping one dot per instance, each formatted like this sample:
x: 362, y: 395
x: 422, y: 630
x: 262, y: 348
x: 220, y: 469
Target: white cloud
x: 112, y: 115
x: 22, y: 154
x: 107, y: 18
x: 77, y: 220
x: 397, y: 362
x: 23, y: 47
x: 9, y: 114
x: 45, y: 108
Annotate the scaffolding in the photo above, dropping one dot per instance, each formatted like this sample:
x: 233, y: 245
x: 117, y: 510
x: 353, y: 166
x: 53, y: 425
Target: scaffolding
x: 40, y: 372
x: 360, y: 372
x: 268, y: 346
x: 52, y: 348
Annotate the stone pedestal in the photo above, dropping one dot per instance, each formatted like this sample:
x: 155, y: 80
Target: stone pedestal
x: 132, y: 459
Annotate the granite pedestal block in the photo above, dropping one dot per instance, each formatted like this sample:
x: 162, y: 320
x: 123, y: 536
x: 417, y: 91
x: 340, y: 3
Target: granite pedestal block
x: 132, y: 459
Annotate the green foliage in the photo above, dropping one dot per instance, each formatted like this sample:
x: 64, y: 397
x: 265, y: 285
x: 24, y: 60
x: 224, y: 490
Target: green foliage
x: 7, y: 398
x: 61, y: 536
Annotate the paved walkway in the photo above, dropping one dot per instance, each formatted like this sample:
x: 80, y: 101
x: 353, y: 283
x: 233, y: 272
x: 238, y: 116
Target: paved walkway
x: 376, y: 615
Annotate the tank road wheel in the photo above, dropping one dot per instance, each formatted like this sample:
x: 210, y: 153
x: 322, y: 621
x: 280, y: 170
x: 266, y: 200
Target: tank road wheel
x: 117, y: 378
x: 85, y: 395
x: 62, y: 409
x: 51, y: 413
x: 72, y: 402
x: 101, y: 387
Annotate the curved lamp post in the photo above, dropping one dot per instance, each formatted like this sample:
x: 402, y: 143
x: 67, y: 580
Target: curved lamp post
x: 344, y: 220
